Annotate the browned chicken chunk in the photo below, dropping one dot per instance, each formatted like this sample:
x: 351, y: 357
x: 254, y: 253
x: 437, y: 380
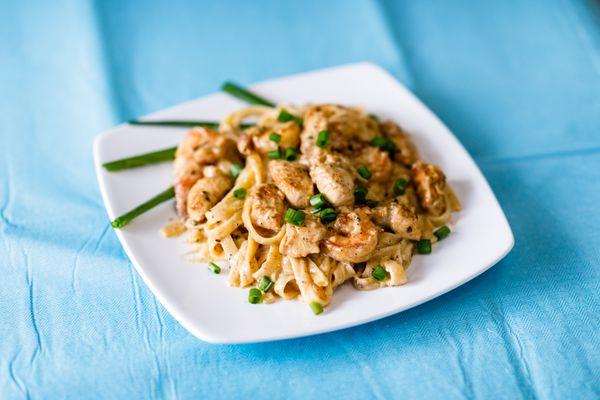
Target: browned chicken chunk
x: 300, y: 241
x: 400, y: 218
x: 293, y: 180
x: 267, y: 207
x: 206, y: 192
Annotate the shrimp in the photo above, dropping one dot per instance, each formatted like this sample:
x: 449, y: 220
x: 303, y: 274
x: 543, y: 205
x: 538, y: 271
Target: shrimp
x: 259, y: 138
x: 206, y: 192
x: 354, y: 239
x: 267, y: 207
x: 430, y: 183
x: 377, y: 162
x: 406, y: 151
x: 201, y: 147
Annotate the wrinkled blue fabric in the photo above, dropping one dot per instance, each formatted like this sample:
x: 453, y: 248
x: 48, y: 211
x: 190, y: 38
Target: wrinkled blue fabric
x: 518, y: 82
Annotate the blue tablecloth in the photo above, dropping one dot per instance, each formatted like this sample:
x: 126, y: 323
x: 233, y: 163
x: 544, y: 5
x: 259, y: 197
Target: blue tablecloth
x: 518, y: 82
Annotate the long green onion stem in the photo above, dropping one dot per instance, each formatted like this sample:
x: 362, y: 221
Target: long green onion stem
x: 126, y: 218
x: 183, y: 124
x: 141, y: 160
x: 244, y: 95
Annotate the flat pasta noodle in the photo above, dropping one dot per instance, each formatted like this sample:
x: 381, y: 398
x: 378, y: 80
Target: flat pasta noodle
x: 226, y: 216
x: 244, y: 264
x: 285, y: 285
x: 252, y: 232
x: 271, y: 266
x: 309, y: 289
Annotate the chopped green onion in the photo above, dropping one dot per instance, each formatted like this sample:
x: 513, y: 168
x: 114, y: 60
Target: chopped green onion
x: 214, y: 267
x: 323, y: 139
x: 275, y: 137
x: 316, y: 308
x: 318, y: 200
x: 378, y: 141
x: 255, y: 296
x: 442, y: 233
x: 239, y: 194
x: 265, y: 284
x: 383, y: 143
x: 244, y: 95
x: 360, y: 194
x: 374, y: 117
x: 328, y: 215
x: 274, y: 154
x: 424, y: 246
x: 294, y: 217
x: 289, y: 213
x: 235, y: 170
x: 142, y: 159
x: 126, y: 218
x: 364, y: 172
x: 285, y: 116
x: 291, y: 154
x: 400, y: 186
x: 379, y: 273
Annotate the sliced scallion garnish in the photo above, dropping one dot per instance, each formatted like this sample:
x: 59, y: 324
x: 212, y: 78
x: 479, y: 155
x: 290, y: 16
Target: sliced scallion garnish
x: 442, y: 232
x: 379, y: 273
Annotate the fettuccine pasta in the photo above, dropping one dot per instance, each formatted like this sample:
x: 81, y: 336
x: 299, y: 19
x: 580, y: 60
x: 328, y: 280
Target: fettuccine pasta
x: 308, y: 198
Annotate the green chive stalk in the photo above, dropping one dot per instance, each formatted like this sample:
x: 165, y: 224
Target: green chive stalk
x: 182, y: 124
x: 141, y: 160
x: 126, y: 218
x: 244, y: 95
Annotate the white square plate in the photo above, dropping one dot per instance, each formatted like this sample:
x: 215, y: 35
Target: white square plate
x: 204, y: 304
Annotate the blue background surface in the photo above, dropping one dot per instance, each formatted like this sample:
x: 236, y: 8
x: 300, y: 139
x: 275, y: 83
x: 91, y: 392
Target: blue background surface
x: 518, y: 82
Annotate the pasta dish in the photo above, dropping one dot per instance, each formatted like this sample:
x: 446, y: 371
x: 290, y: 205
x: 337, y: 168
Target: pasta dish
x: 299, y: 200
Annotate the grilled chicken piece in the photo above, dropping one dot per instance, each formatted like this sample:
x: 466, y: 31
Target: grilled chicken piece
x: 300, y: 241
x: 430, y: 183
x: 267, y: 208
x: 206, y: 192
x: 406, y: 151
x: 335, y: 182
x: 293, y: 180
x: 400, y: 218
x: 201, y: 147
